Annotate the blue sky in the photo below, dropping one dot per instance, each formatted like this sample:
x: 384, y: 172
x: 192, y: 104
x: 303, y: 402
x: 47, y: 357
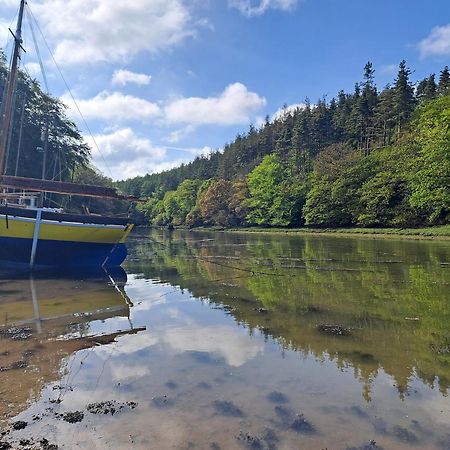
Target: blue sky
x: 161, y: 81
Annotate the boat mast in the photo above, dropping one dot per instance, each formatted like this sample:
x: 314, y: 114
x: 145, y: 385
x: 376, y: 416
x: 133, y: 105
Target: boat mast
x: 11, y: 81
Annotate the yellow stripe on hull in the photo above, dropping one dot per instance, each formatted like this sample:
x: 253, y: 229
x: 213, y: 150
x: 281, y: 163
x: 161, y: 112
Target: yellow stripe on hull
x: 65, y: 231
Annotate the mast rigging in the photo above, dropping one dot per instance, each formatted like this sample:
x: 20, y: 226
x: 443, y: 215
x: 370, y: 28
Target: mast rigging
x: 11, y: 81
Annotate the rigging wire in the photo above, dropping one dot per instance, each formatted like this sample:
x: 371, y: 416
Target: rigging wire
x: 36, y: 47
x: 33, y: 18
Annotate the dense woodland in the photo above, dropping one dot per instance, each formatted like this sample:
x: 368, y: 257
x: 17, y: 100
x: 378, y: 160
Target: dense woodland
x: 45, y: 143
x: 365, y: 158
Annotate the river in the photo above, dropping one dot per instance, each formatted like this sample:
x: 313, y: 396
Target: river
x: 210, y: 340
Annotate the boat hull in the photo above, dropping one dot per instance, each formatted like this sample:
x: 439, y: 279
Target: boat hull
x: 61, y: 244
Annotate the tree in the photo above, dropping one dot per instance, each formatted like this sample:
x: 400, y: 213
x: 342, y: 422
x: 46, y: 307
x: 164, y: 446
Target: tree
x: 404, y: 102
x: 367, y: 105
x: 273, y: 197
x: 444, y: 82
x: 222, y: 203
x: 429, y: 181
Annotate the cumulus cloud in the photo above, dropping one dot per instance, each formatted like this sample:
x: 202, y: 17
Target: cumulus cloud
x: 123, y: 154
x: 233, y: 106
x: 113, y: 106
x: 437, y: 43
x: 252, y: 8
x: 33, y: 69
x: 123, y: 77
x: 91, y: 31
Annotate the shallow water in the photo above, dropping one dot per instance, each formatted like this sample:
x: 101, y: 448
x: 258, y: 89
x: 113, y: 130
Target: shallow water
x: 234, y: 341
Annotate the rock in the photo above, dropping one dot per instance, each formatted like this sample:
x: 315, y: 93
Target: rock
x: 404, y: 434
x: 162, y: 401
x: 72, y: 417
x: 109, y: 407
x: 265, y: 441
x: 226, y: 408
x: 372, y: 445
x: 19, y: 425
x: 301, y: 425
x: 17, y: 334
x: 5, y: 445
x: 277, y: 397
x: 335, y: 330
x: 45, y: 445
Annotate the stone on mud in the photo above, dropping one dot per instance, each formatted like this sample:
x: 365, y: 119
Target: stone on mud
x: 301, y: 425
x: 227, y: 408
x: 19, y: 425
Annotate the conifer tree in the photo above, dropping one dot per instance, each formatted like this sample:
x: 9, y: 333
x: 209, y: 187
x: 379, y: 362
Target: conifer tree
x: 444, y: 82
x: 404, y: 101
x: 430, y: 88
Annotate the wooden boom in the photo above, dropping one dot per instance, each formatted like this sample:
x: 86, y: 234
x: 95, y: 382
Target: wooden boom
x: 62, y: 187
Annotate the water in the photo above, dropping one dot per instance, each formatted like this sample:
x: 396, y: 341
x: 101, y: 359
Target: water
x: 234, y: 341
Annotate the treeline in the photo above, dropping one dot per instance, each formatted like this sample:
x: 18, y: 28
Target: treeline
x: 366, y: 158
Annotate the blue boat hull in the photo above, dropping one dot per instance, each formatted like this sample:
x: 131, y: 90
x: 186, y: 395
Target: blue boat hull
x: 61, y: 253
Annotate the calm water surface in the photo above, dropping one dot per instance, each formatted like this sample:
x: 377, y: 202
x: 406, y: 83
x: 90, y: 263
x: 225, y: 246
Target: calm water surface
x: 233, y: 341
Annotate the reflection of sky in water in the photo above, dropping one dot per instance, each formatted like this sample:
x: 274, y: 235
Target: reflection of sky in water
x: 202, y: 377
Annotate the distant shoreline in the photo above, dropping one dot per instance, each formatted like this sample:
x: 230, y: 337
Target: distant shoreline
x: 432, y: 233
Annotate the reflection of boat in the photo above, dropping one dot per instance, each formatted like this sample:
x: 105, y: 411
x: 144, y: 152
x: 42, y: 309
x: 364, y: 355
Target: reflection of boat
x: 45, y: 318
x: 37, y: 236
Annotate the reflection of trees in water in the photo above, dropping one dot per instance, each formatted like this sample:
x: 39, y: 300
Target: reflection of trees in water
x: 372, y: 286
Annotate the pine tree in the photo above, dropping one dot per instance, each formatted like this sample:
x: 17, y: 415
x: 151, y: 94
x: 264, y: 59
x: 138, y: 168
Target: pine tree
x: 367, y: 106
x: 430, y: 88
x: 420, y: 88
x: 444, y: 82
x: 404, y: 101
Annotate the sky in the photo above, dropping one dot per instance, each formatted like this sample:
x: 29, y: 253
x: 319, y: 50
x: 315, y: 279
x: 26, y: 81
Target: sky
x: 160, y: 82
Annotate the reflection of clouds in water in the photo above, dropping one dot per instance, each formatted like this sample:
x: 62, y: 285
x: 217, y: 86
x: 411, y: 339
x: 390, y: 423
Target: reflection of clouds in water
x: 122, y: 371
x: 129, y: 344
x: 233, y: 345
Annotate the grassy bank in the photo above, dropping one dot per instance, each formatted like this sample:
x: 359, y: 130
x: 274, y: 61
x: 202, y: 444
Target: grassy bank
x: 430, y: 233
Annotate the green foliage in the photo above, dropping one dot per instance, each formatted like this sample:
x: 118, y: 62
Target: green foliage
x: 430, y: 180
x: 275, y: 198
x: 220, y: 204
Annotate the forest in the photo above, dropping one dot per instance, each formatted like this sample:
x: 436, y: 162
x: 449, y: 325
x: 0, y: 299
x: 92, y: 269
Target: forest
x: 371, y: 157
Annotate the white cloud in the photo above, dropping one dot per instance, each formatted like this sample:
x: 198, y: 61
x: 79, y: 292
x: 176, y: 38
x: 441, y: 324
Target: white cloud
x: 252, y: 8
x: 177, y: 135
x: 33, y: 69
x: 126, y: 154
x: 288, y: 110
x: 233, y: 106
x: 113, y: 106
x: 235, y: 348
x: 437, y: 43
x: 389, y: 69
x: 122, y: 77
x: 91, y: 31
x: 123, y: 154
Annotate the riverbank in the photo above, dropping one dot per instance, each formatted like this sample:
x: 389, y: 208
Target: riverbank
x: 430, y: 233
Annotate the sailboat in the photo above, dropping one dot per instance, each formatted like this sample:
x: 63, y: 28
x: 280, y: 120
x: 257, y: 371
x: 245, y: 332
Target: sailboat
x: 38, y: 236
